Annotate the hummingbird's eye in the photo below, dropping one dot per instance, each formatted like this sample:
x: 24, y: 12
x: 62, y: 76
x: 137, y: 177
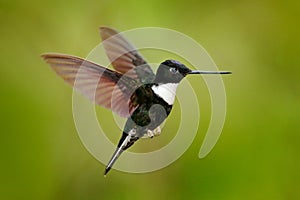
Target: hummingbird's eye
x: 173, y: 70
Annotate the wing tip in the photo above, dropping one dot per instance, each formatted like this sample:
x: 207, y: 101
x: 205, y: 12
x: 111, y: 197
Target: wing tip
x: 107, y: 32
x: 104, y: 28
x: 50, y: 55
x: 45, y: 56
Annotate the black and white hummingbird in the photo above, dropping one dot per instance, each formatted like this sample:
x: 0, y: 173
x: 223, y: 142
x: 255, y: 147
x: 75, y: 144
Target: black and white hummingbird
x: 132, y: 91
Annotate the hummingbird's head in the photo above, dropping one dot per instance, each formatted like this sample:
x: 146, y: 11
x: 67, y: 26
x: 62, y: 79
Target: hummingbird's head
x: 172, y: 71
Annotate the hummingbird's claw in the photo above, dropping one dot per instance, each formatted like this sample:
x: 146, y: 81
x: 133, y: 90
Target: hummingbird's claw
x: 152, y: 133
x: 157, y: 131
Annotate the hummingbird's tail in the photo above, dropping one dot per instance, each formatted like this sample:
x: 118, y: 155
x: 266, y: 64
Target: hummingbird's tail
x: 125, y: 142
x: 113, y: 159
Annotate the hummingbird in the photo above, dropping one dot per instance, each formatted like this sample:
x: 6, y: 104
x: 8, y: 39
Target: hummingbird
x: 132, y: 90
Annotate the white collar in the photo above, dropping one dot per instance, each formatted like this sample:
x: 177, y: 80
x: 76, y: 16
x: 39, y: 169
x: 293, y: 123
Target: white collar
x: 166, y: 91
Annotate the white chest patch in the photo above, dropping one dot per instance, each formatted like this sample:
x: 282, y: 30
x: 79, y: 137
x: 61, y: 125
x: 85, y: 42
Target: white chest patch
x: 166, y: 91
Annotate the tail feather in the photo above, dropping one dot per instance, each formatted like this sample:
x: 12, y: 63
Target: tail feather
x: 113, y: 159
x: 125, y: 142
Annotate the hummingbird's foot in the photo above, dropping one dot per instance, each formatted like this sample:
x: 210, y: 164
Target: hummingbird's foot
x: 150, y: 133
x: 157, y: 131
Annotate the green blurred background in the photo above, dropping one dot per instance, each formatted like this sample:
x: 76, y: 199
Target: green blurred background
x: 257, y: 156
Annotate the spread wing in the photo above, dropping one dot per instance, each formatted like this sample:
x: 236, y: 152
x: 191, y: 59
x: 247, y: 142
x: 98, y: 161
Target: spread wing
x: 124, y: 57
x: 105, y: 87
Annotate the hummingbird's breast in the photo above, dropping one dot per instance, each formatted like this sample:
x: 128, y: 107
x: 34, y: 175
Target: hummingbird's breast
x: 152, y: 109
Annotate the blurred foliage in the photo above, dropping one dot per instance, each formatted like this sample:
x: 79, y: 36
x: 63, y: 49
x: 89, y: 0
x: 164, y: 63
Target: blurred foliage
x: 257, y: 156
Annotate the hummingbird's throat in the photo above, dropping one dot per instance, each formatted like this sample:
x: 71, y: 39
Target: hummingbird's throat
x: 166, y: 91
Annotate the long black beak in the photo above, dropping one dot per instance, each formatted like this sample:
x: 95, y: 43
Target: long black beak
x: 209, y: 72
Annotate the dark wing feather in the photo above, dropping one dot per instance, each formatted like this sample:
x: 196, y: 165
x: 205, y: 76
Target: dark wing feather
x: 124, y: 57
x: 105, y: 87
